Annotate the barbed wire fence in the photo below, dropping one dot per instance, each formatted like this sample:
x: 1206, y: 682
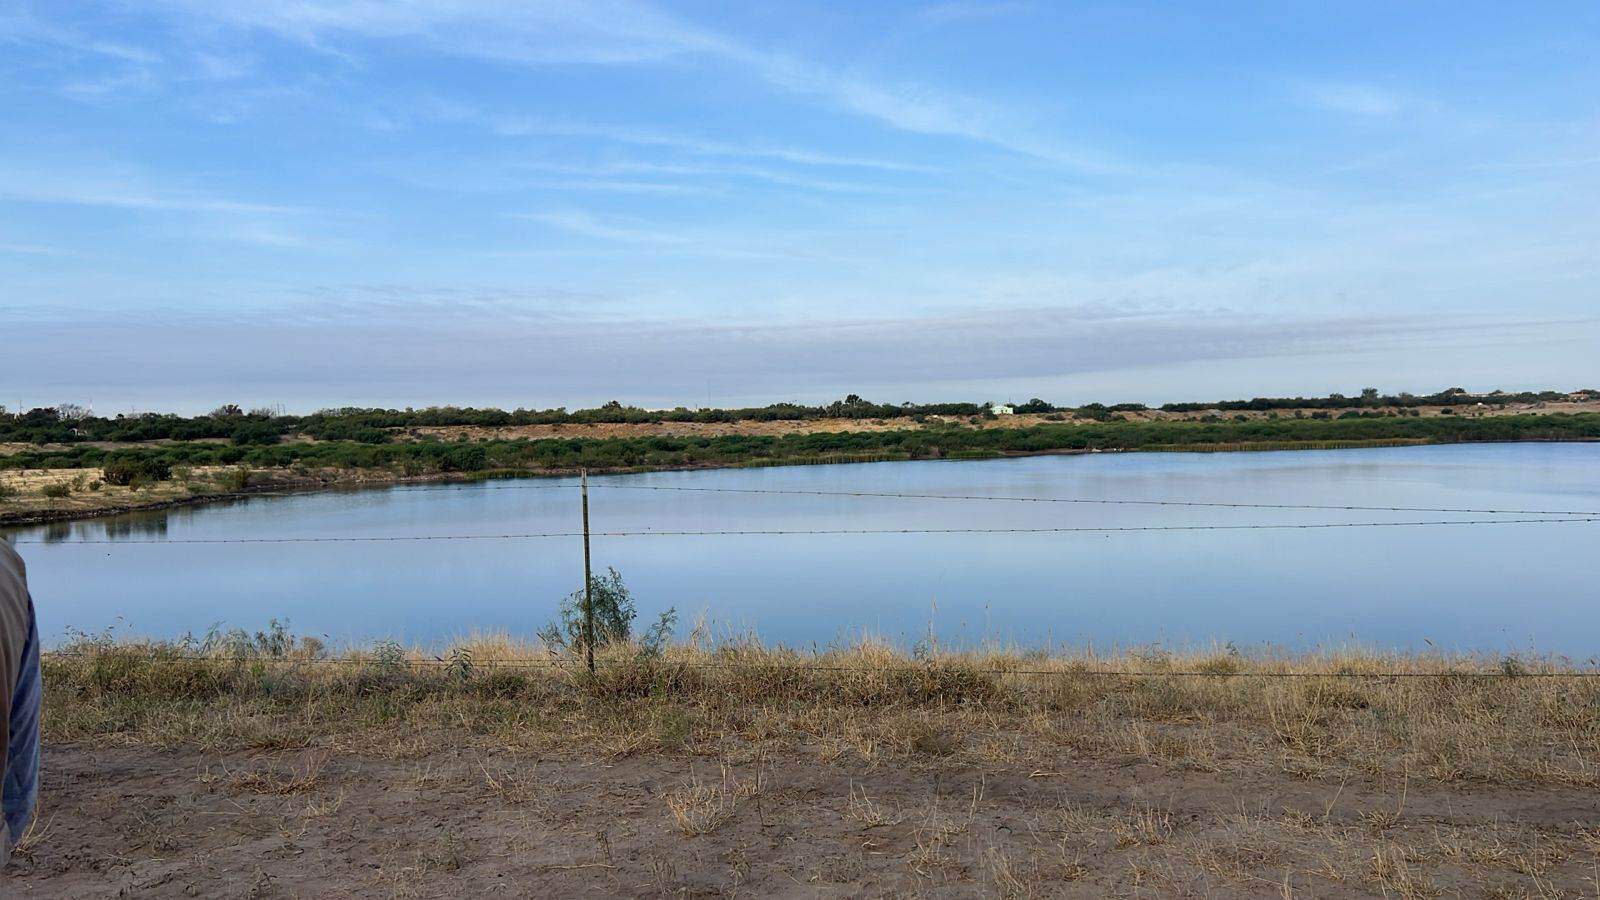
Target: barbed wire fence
x: 1527, y: 517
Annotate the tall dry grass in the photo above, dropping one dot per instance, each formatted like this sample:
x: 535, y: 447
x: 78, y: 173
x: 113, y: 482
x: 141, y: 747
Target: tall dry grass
x: 1327, y: 714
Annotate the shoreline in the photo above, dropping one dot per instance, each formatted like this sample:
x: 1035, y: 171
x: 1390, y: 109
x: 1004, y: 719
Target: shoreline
x: 33, y: 518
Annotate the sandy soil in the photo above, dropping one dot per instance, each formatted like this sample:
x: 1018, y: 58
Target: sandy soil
x: 134, y: 821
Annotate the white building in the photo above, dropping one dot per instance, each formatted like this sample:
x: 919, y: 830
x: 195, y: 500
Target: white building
x: 1001, y: 409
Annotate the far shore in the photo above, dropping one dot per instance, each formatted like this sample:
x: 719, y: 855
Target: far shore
x: 108, y: 501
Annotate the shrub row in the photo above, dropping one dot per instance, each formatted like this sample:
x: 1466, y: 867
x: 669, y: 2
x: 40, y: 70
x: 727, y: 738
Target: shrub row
x: 952, y: 442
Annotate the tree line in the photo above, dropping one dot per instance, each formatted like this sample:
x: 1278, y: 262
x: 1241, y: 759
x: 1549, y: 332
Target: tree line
x: 68, y: 424
x: 482, y: 456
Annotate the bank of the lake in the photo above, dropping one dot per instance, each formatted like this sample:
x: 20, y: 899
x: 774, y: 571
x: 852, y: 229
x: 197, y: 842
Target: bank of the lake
x: 208, y: 471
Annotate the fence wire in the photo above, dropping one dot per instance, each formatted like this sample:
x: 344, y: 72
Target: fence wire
x: 1080, y: 529
x: 478, y: 486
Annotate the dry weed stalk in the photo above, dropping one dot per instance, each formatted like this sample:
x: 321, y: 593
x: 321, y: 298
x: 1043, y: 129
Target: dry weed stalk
x: 702, y: 807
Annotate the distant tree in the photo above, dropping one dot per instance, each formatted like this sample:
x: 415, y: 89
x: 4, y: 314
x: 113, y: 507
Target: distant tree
x: 227, y: 411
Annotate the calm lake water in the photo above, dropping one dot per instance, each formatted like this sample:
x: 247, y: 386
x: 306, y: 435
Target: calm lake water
x: 1494, y: 588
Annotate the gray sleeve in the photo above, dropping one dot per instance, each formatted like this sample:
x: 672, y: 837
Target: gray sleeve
x: 14, y: 620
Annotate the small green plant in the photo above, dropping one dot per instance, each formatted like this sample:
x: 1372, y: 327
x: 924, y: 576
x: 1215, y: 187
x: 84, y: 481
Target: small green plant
x: 1513, y: 667
x: 459, y: 666
x: 7, y: 491
x: 274, y: 643
x: 57, y: 490
x: 614, y: 612
x: 388, y: 656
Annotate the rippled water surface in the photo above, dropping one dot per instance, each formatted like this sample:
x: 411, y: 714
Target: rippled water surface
x: 1495, y: 587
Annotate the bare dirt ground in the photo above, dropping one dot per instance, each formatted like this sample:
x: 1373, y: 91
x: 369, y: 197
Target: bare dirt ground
x: 134, y: 821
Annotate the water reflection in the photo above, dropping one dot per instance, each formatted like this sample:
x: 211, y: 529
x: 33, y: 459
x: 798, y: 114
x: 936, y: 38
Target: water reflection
x: 1468, y: 587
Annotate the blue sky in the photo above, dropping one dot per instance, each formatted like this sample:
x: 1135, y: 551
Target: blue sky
x: 557, y: 203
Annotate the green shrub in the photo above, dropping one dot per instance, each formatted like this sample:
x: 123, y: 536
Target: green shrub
x: 57, y: 489
x: 129, y: 469
x: 254, y: 434
x: 614, y: 613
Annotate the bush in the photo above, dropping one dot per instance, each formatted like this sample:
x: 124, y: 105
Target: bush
x: 258, y: 434
x: 132, y: 469
x: 234, y: 479
x: 57, y: 489
x: 614, y: 613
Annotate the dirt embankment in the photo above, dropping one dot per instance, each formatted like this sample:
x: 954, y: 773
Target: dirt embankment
x: 85, y: 495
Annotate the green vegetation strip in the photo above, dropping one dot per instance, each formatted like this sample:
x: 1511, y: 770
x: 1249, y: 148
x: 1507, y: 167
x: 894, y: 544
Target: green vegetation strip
x: 619, y: 453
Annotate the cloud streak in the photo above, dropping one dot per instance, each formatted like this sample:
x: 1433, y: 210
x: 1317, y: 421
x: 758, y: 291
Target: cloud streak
x: 586, y: 225
x: 618, y: 32
x: 104, y: 187
x: 1351, y: 98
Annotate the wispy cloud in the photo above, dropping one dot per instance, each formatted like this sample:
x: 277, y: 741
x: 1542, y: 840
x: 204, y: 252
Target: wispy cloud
x: 605, y: 185
x: 1351, y: 97
x: 716, y: 244
x: 102, y: 188
x: 960, y: 11
x: 618, y: 32
x: 17, y: 26
x: 514, y: 125
x: 582, y: 223
x: 30, y: 249
x: 660, y: 174
x: 595, y: 32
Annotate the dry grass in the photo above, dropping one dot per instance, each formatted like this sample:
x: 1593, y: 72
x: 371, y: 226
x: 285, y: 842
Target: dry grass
x: 862, y: 810
x: 869, y: 703
x: 1207, y: 719
x: 701, y: 807
x: 767, y: 773
x: 277, y: 778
